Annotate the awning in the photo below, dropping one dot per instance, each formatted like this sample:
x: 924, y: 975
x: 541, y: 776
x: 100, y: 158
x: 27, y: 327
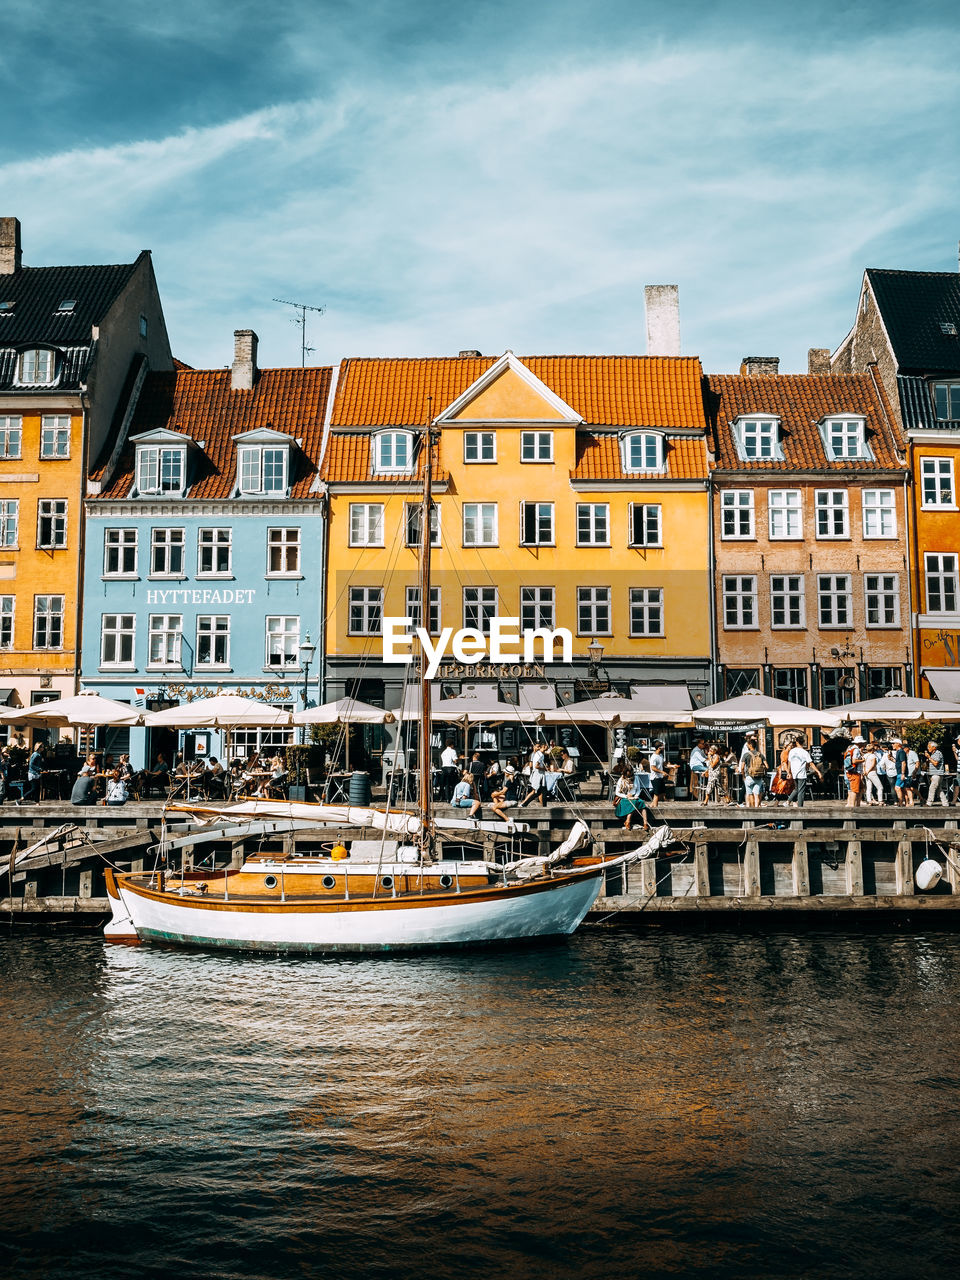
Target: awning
x: 944, y: 681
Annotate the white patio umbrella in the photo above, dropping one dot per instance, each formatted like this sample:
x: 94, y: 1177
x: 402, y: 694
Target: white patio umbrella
x: 345, y: 711
x: 667, y: 704
x: 223, y: 711
x: 896, y: 707
x: 753, y: 709
x: 83, y: 710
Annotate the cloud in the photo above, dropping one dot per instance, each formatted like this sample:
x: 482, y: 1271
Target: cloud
x: 528, y: 209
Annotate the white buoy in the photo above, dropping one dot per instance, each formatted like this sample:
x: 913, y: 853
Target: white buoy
x: 928, y: 874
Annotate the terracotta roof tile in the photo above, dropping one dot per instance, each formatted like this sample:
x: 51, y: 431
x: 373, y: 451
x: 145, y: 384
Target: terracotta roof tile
x: 616, y: 391
x: 599, y: 458
x: 800, y: 401
x: 347, y: 459
x: 201, y: 404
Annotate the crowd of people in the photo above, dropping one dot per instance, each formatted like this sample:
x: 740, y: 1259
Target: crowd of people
x: 548, y: 773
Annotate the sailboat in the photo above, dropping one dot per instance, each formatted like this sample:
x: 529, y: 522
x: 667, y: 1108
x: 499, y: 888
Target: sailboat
x: 408, y: 893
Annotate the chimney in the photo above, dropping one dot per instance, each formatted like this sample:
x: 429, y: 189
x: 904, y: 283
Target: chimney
x: 818, y: 360
x: 9, y: 246
x: 244, y: 360
x: 759, y: 366
x: 468, y: 353
x: 663, y: 319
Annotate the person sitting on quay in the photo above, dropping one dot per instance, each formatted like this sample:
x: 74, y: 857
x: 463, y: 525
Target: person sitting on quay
x: 82, y: 792
x: 626, y: 804
x: 464, y: 794
x: 117, y: 792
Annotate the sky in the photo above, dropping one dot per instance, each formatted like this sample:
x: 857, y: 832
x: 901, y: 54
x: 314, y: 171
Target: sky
x: 487, y: 175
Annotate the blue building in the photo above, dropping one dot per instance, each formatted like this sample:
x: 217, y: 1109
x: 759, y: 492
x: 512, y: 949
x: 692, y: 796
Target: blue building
x: 203, y: 563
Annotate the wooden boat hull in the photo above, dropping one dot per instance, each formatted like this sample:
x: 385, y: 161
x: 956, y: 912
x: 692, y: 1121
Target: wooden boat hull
x: 495, y: 914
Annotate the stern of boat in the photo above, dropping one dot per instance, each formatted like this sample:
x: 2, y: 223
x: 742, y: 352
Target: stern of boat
x: 119, y: 928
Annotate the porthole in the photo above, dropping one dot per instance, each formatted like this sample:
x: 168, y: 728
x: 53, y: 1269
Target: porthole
x: 446, y: 882
x: 269, y: 882
x: 329, y: 882
x: 387, y: 881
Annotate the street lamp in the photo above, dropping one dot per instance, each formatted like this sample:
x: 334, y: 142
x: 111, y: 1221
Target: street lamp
x: 307, y: 650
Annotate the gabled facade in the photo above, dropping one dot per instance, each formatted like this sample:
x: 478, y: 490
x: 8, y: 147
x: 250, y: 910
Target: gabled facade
x: 810, y: 520
x: 909, y: 323
x: 75, y: 343
x: 570, y: 491
x: 204, y: 550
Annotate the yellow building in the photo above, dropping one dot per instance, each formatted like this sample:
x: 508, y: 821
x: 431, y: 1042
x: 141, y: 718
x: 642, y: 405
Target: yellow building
x: 75, y: 343
x: 570, y: 491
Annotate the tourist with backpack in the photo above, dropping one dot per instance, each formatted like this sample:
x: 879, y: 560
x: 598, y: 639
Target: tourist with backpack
x: 853, y: 769
x: 753, y: 770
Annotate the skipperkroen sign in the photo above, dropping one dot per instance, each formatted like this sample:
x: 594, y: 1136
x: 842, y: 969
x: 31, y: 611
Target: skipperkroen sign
x: 505, y: 642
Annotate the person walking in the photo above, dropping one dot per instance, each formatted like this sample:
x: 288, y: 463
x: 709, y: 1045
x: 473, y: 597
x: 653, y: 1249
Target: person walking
x: 853, y: 770
x: 31, y: 790
x: 871, y: 775
x: 753, y: 770
x: 935, y: 771
x: 900, y: 759
x: 658, y: 774
x: 450, y: 770
x: 801, y: 761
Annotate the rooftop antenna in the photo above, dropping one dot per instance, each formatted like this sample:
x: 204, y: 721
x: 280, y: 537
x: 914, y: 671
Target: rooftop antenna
x: 301, y: 320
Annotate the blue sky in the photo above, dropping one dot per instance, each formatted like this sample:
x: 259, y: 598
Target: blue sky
x: 487, y: 175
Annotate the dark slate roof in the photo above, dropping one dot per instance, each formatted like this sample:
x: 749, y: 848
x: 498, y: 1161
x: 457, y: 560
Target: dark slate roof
x: 913, y: 305
x: 916, y: 406
x: 38, y: 291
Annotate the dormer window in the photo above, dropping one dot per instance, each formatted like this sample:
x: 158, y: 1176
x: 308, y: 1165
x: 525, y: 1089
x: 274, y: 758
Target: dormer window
x: 845, y: 438
x: 161, y: 469
x: 262, y: 469
x: 643, y: 451
x: 37, y: 367
x: 392, y: 451
x: 758, y: 439
x: 946, y: 401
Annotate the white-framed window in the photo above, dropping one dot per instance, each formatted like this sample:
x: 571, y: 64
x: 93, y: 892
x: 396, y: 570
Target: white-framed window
x: 646, y: 611
x: 166, y: 553
x: 737, y: 514
x: 941, y: 575
x: 213, y: 640
x: 393, y: 451
x: 161, y: 469
x: 536, y: 524
x: 118, y: 633
x: 785, y: 513
x: 593, y: 524
x: 936, y: 482
x: 366, y: 611
x: 538, y: 608
x: 366, y: 524
x: 262, y: 468
x: 739, y: 602
x: 479, y: 606
x: 52, y: 523
x: 8, y: 606
x: 283, y: 553
x: 786, y: 600
x: 413, y: 609
x: 845, y: 438
x: 834, y: 600
x: 479, y: 524
x: 414, y: 511
x: 593, y: 611
x: 165, y: 640
x: 214, y: 553
x: 37, y: 367
x: 881, y: 596
x: 120, y: 553
x: 833, y: 513
x: 9, y: 522
x: 55, y: 435
x: 283, y: 641
x: 11, y: 435
x: 758, y: 439
x: 643, y: 451
x: 479, y: 446
x: 48, y: 622
x: 536, y: 446
x: 646, y: 524
x: 946, y: 401
x: 879, y: 513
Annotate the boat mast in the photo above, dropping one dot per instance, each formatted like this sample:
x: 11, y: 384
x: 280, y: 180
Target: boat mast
x: 426, y: 772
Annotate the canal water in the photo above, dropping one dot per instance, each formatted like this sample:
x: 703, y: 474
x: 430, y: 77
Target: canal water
x: 721, y: 1105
